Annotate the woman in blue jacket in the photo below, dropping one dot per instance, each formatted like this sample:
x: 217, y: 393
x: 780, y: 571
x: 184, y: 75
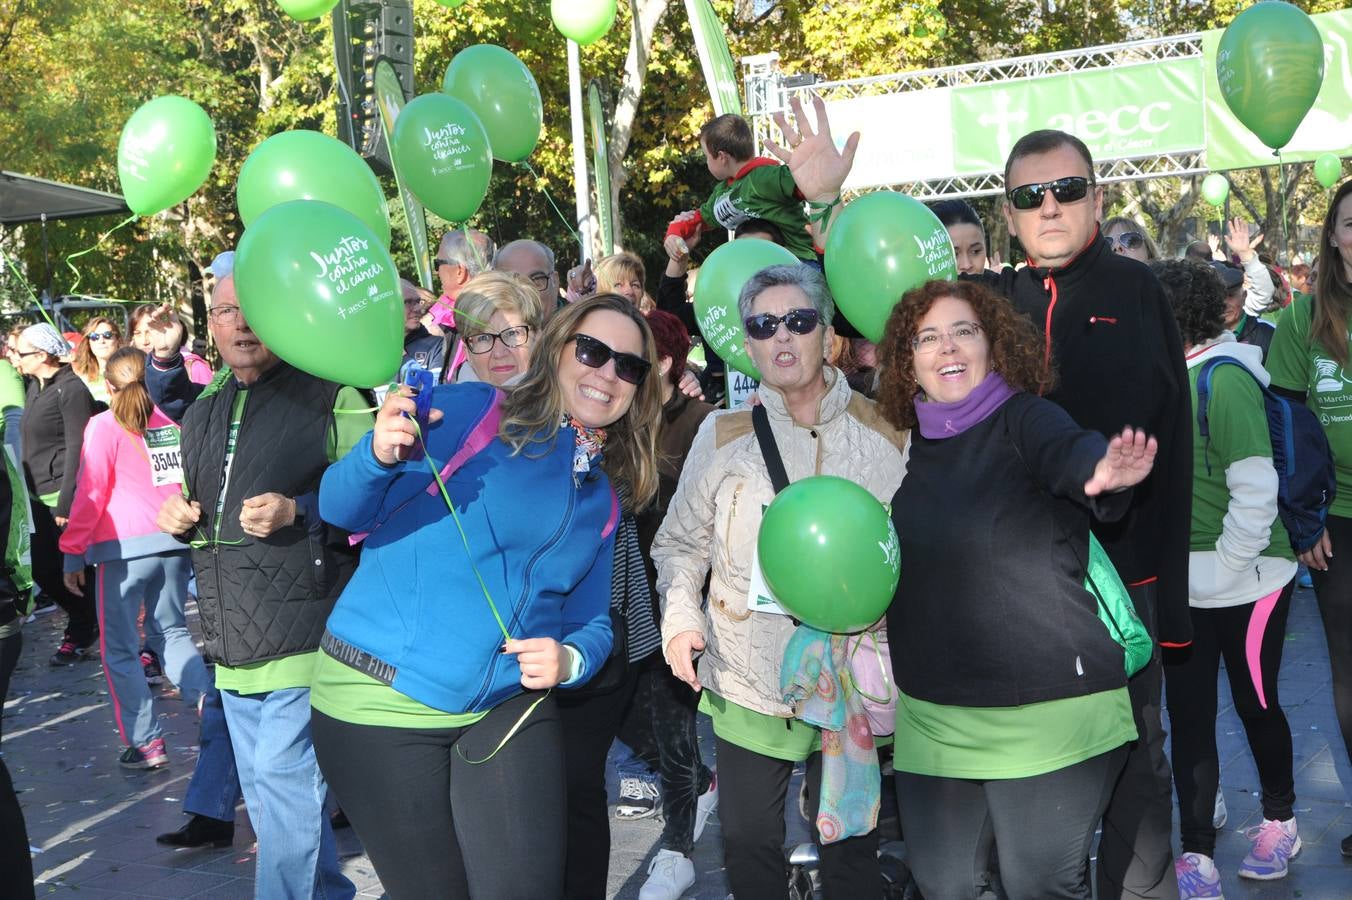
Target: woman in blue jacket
x: 440, y: 738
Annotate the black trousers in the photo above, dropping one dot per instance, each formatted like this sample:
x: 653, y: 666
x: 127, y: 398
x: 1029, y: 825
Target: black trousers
x: 10, y: 649
x: 445, y: 812
x: 1040, y: 827
x: 751, y: 794
x: 48, y: 568
x: 1190, y: 675
x: 590, y: 725
x: 660, y: 729
x: 16, y: 863
x: 1333, y: 590
x: 1136, y: 857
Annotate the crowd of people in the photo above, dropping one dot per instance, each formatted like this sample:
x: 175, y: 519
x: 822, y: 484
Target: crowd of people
x: 434, y: 626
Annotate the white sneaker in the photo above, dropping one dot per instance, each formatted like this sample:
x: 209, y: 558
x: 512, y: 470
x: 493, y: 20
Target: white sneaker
x: 705, y: 806
x: 669, y: 874
x: 638, y: 799
x: 1220, y: 814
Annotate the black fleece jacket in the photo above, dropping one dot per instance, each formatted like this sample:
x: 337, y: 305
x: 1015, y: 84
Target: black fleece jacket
x: 1112, y: 337
x: 54, y: 417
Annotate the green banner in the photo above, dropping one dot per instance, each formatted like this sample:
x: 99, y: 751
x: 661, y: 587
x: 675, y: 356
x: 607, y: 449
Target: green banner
x: 714, y: 57
x: 1120, y: 113
x: 1327, y: 127
x: 601, y: 161
x: 390, y: 100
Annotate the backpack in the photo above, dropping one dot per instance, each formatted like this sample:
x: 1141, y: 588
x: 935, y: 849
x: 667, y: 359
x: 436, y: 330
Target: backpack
x: 1306, y: 481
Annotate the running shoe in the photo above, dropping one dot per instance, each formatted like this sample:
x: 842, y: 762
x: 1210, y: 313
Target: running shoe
x: 705, y: 806
x: 638, y: 798
x: 669, y: 875
x: 148, y: 756
x: 1198, y: 878
x: 150, y: 664
x: 1274, y: 845
x: 71, y: 652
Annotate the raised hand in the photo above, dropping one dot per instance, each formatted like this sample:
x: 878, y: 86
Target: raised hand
x: 1130, y: 457
x: 1238, y: 241
x: 819, y: 168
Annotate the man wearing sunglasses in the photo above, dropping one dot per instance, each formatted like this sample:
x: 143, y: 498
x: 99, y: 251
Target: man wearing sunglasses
x: 1114, y: 343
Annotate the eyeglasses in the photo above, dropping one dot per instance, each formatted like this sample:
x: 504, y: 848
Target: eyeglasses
x: 224, y: 315
x: 594, y: 354
x: 438, y: 263
x: 101, y: 335
x: 22, y: 353
x: 930, y: 340
x: 413, y: 301
x: 1065, y: 190
x: 1127, y: 240
x: 540, y: 279
x: 798, y: 321
x: 516, y: 336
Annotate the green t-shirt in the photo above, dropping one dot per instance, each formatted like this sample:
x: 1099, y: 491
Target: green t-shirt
x: 11, y: 387
x: 787, y: 739
x: 298, y: 670
x: 1298, y: 364
x: 343, y: 693
x: 766, y: 192
x: 1237, y: 421
x: 1009, y: 741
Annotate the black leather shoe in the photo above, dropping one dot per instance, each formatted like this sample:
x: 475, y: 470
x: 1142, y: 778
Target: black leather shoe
x: 200, y: 831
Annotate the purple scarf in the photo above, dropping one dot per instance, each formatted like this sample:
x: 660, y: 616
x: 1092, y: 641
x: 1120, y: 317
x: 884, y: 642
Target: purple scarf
x: 945, y: 420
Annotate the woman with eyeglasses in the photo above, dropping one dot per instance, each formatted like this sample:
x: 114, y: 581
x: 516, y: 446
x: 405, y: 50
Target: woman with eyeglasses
x: 497, y: 314
x: 129, y: 464
x: 1012, y: 712
x: 1130, y: 239
x: 99, y: 340
x: 441, y: 736
x: 819, y: 427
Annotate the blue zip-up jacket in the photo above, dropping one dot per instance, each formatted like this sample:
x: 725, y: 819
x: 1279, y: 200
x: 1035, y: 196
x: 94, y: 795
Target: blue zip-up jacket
x: 538, y: 537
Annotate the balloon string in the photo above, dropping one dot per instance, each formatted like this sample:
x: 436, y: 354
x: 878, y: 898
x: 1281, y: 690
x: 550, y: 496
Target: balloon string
x: 129, y: 219
x: 562, y: 217
x: 9, y: 264
x: 1281, y: 189
x: 473, y: 248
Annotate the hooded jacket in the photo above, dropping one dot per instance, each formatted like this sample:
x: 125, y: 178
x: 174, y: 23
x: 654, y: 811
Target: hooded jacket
x: 1110, y: 334
x: 714, y: 519
x: 54, y: 418
x: 1249, y: 559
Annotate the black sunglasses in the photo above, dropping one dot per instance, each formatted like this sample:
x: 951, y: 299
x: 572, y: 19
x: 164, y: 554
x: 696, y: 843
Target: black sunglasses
x: 1065, y: 190
x: 799, y: 321
x: 101, y: 335
x: 594, y: 354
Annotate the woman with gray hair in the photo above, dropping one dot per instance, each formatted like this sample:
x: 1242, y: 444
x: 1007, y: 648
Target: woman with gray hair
x: 819, y: 427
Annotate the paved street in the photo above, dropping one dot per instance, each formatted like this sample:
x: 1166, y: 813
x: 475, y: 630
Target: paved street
x: 93, y: 824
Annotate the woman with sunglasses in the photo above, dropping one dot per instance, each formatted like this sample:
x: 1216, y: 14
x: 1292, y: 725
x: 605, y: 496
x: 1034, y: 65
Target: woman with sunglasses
x: 1130, y: 239
x: 497, y: 314
x: 99, y: 340
x: 440, y: 738
x: 1012, y: 712
x: 129, y: 464
x: 820, y: 427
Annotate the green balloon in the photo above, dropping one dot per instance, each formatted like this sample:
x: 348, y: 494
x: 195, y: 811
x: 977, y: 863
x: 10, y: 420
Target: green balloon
x: 830, y: 553
x: 1270, y: 64
x: 307, y: 165
x: 304, y: 10
x: 1215, y: 188
x: 441, y: 152
x: 166, y: 152
x: 320, y: 290
x: 1328, y: 168
x: 502, y: 92
x: 582, y: 21
x: 720, y: 281
x: 882, y: 245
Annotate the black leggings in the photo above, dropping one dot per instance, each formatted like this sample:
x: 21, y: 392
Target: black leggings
x: 1041, y: 828
x: 48, y: 568
x: 752, y: 789
x: 1190, y: 681
x: 1333, y: 590
x: 436, y: 821
x: 660, y: 729
x: 11, y: 648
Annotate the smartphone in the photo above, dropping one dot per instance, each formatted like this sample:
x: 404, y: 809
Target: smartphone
x: 420, y: 381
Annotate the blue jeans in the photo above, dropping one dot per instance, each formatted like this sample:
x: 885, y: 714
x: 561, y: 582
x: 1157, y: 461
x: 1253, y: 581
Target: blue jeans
x: 214, y: 789
x: 284, y: 792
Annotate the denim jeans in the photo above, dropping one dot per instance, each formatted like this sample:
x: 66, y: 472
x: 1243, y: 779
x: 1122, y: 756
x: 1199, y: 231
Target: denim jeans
x: 284, y: 792
x: 214, y: 790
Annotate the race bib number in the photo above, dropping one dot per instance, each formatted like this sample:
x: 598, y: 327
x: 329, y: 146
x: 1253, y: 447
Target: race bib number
x: 740, y: 387
x: 166, y: 456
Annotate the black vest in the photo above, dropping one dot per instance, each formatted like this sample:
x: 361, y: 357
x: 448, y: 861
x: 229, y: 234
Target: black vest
x: 263, y: 599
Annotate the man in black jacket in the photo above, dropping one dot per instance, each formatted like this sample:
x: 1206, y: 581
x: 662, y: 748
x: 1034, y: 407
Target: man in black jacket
x: 1114, y: 343
x: 255, y: 446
